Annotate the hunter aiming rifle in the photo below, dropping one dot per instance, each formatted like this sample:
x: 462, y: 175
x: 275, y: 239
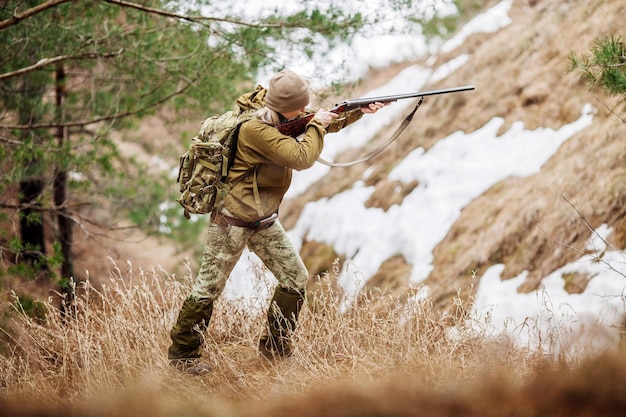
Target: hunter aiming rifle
x: 296, y: 127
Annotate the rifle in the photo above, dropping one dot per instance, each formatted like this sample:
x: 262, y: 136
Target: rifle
x: 296, y: 127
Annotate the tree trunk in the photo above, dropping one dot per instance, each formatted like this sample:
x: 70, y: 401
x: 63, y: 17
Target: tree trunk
x: 64, y: 221
x: 31, y: 225
x: 31, y: 186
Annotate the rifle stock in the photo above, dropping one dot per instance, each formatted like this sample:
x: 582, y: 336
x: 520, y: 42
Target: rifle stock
x: 296, y: 127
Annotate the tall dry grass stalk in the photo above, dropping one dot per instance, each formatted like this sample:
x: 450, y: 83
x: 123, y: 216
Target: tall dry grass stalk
x: 110, y: 352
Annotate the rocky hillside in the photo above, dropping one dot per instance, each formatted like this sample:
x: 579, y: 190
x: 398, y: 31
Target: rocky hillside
x: 536, y: 223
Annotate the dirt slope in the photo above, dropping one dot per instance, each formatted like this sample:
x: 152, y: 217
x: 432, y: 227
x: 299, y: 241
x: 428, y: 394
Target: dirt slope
x: 534, y: 223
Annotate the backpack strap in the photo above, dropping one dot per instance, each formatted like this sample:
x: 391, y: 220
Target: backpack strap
x: 378, y: 150
x: 255, y: 185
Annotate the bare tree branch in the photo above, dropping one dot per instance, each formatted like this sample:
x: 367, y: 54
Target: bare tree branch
x: 9, y: 141
x: 48, y: 61
x: 611, y: 110
x: 160, y: 12
x: 30, y: 12
x: 193, y: 19
x: 82, y: 123
x: 597, y: 257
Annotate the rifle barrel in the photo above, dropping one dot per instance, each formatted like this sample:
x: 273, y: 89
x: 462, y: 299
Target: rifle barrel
x: 353, y: 104
x: 296, y: 127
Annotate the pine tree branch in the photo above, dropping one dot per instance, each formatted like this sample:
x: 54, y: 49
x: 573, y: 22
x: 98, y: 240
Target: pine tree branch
x: 17, y: 18
x: 192, y: 19
x: 49, y: 61
x: 82, y: 123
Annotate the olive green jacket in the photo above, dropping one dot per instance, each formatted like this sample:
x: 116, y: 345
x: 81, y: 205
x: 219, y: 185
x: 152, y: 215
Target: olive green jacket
x: 269, y: 156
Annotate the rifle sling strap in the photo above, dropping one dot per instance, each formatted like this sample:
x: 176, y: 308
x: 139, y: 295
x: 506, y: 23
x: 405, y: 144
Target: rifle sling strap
x: 376, y: 151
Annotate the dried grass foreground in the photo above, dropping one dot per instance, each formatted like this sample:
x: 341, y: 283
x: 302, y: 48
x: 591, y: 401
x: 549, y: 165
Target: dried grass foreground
x: 379, y: 357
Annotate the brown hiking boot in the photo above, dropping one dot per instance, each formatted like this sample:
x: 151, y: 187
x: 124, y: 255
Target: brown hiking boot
x: 191, y: 366
x: 273, y: 348
x: 282, y: 318
x: 188, y: 332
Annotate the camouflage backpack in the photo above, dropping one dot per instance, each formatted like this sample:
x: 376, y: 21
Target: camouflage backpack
x: 203, y: 170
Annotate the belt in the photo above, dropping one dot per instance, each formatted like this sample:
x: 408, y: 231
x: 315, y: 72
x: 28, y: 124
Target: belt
x: 224, y: 220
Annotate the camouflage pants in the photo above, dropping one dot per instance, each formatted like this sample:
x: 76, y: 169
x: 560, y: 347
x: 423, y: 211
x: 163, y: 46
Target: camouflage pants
x: 224, y: 247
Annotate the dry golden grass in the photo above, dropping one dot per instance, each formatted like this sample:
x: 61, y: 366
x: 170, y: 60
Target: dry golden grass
x: 379, y: 357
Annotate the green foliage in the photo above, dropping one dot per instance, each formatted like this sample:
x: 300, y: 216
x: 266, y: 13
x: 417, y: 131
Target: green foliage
x: 26, y: 271
x: 33, y: 308
x: 32, y: 217
x: 187, y: 233
x: 444, y: 26
x: 144, y: 211
x: 605, y: 67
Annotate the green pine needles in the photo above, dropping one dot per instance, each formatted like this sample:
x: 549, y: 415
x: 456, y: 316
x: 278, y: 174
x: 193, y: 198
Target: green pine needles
x: 605, y: 67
